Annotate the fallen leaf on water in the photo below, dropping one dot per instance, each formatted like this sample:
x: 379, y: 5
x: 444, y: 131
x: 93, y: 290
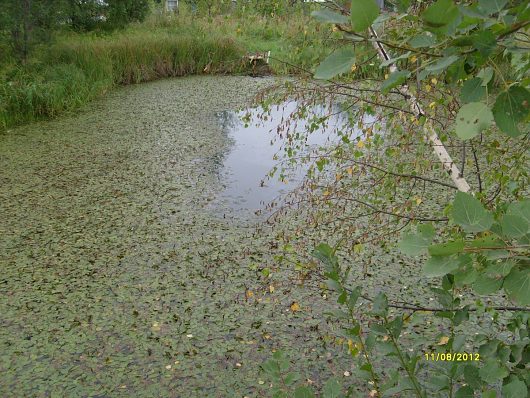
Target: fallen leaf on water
x: 444, y: 340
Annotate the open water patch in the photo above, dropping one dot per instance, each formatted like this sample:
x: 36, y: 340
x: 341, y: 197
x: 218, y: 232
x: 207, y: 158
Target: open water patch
x: 256, y: 170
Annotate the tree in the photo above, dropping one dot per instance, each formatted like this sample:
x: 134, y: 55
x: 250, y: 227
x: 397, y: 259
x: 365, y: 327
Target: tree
x: 439, y: 163
x: 30, y: 22
x: 86, y: 15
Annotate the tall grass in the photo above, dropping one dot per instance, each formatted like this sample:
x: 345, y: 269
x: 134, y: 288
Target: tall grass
x: 78, y: 68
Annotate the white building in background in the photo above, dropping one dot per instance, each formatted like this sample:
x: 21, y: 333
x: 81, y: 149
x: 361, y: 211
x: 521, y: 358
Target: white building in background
x: 172, y: 5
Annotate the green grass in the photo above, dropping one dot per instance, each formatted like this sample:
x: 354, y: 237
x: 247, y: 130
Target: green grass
x: 79, y: 67
x: 76, y: 68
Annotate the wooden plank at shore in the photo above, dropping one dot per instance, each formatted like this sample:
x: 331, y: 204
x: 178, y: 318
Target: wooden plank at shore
x: 259, y: 56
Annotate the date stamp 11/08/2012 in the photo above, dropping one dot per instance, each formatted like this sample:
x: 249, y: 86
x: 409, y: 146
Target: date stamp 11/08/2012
x: 452, y: 356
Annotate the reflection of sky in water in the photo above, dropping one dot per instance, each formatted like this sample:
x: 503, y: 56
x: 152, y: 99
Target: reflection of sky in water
x: 251, y: 156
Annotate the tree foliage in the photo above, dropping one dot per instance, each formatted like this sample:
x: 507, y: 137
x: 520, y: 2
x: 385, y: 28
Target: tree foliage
x: 30, y: 22
x: 455, y: 87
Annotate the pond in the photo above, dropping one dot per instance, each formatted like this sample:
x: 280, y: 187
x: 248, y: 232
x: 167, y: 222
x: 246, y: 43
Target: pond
x: 118, y: 277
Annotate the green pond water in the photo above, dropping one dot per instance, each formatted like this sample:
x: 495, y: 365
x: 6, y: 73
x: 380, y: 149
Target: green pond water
x: 118, y: 276
x: 131, y: 261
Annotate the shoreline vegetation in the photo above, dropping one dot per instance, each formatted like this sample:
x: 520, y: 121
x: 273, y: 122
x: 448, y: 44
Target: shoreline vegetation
x: 74, y: 68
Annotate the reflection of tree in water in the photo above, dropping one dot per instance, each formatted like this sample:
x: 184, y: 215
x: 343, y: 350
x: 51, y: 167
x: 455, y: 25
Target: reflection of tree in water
x: 228, y: 120
x: 277, y: 135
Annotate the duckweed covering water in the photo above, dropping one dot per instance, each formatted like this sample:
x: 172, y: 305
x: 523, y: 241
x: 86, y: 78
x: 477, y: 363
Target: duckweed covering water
x: 119, y: 277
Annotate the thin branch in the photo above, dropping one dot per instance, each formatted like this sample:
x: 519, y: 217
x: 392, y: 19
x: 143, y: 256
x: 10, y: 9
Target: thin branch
x: 477, y: 167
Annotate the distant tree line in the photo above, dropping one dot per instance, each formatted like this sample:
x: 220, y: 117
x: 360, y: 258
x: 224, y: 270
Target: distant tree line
x: 24, y: 23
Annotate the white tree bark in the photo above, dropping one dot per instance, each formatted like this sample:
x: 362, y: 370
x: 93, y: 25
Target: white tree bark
x: 431, y: 135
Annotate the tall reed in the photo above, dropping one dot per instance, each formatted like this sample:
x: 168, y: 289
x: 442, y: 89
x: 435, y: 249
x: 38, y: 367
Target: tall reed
x: 78, y: 68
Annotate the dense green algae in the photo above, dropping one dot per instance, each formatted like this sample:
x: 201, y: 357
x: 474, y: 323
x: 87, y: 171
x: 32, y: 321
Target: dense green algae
x: 121, y: 276
x: 118, y: 276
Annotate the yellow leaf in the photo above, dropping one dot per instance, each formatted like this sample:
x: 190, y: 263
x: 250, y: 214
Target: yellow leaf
x: 432, y: 105
x: 444, y: 340
x: 338, y: 177
x: 413, y: 58
x: 326, y: 193
x: 360, y: 144
x: 295, y: 306
x: 353, y: 68
x: 271, y: 289
x: 428, y: 88
x: 249, y: 294
x: 418, y: 201
x: 349, y: 170
x: 434, y: 81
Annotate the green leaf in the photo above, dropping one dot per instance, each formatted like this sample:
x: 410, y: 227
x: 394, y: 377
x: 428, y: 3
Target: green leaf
x: 446, y: 249
x: 403, y: 5
x: 332, y: 389
x: 492, y: 6
x: 472, y: 91
x: 489, y: 394
x: 328, y: 16
x: 511, y: 107
x: 514, y: 226
x: 484, y: 41
x: 440, y: 266
x: 336, y: 63
x: 517, y: 285
x: 291, y: 378
x: 520, y: 209
x: 325, y: 253
x: 500, y: 269
x: 394, y: 60
x: 465, y: 276
x: 514, y: 389
x: 303, y: 392
x: 363, y: 13
x: 487, y: 242
x: 471, y: 376
x: 472, y: 119
x: 426, y: 39
x: 465, y: 392
x: 469, y: 213
x: 440, y: 14
x: 492, y: 371
x: 441, y: 64
x: 414, y: 244
x: 380, y: 305
x: 354, y: 296
x: 485, y: 75
x: 395, y: 79
x: 486, y: 285
x: 404, y: 385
